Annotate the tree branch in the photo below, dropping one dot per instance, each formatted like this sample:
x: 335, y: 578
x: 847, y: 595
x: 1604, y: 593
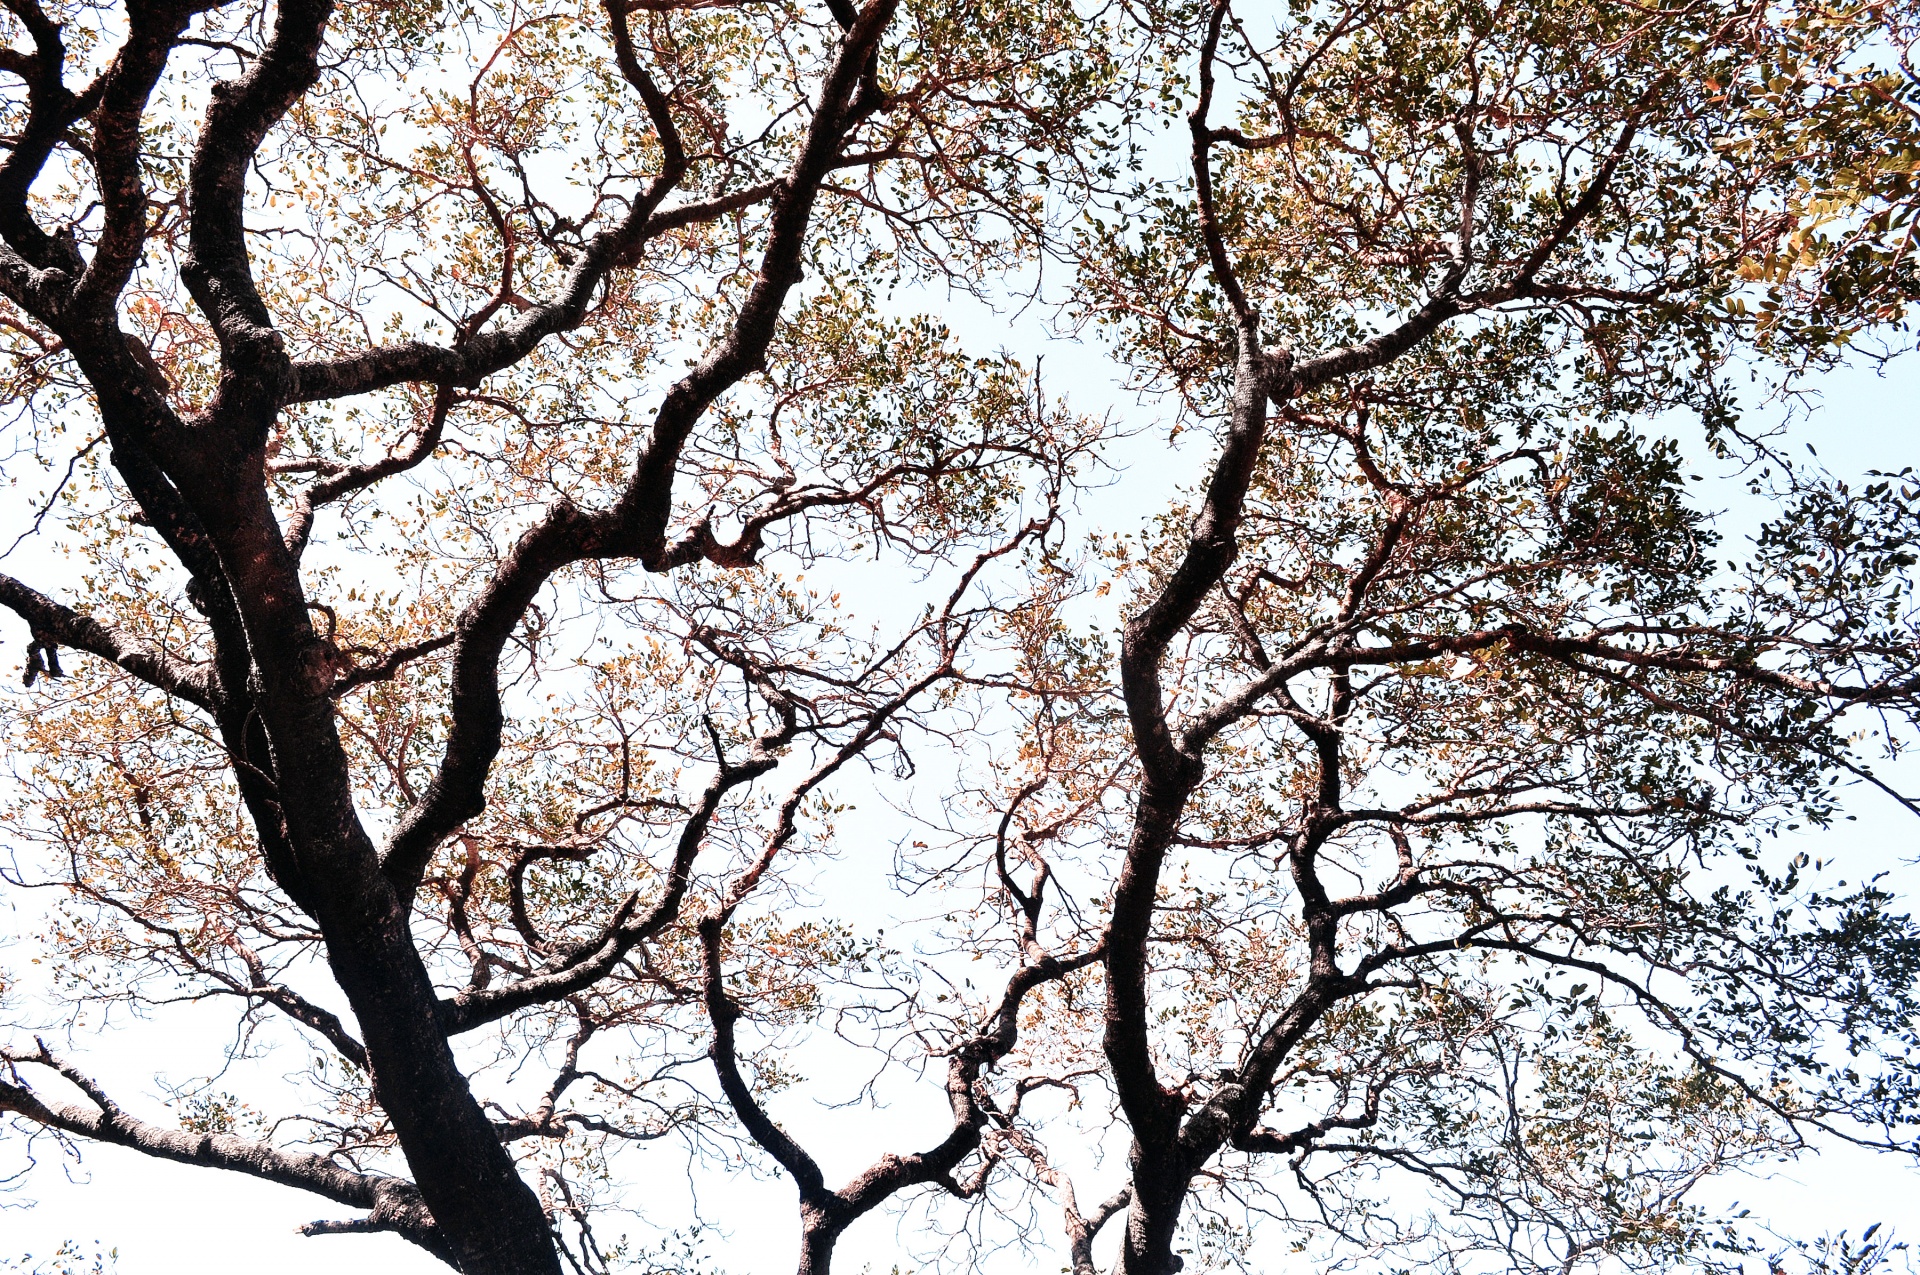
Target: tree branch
x: 395, y: 1204
x: 636, y: 525
x: 49, y: 620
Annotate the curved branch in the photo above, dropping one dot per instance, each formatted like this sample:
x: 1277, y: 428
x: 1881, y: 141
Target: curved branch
x: 636, y: 526
x: 1083, y: 1228
x: 594, y: 961
x: 218, y: 270
x: 51, y: 110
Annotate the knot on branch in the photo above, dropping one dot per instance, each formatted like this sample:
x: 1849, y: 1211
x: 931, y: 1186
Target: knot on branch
x: 1276, y: 374
x: 259, y: 346
x: 43, y: 656
x: 397, y: 1207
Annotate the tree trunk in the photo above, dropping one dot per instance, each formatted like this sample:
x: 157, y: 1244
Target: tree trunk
x: 1153, y: 1218
x: 818, y: 1235
x: 491, y: 1218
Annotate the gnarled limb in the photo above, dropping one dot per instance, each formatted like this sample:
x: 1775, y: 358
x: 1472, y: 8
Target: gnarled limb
x: 50, y: 620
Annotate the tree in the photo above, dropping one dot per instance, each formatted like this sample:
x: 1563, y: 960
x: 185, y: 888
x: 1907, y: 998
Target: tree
x: 1398, y: 862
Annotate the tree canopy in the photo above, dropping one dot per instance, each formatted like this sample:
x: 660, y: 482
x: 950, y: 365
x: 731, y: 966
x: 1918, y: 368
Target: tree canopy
x: 561, y: 638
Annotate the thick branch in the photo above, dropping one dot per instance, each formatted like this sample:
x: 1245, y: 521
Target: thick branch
x: 218, y: 270
x: 1083, y: 1229
x: 51, y: 110
x: 117, y: 139
x: 395, y: 1204
x: 49, y: 620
